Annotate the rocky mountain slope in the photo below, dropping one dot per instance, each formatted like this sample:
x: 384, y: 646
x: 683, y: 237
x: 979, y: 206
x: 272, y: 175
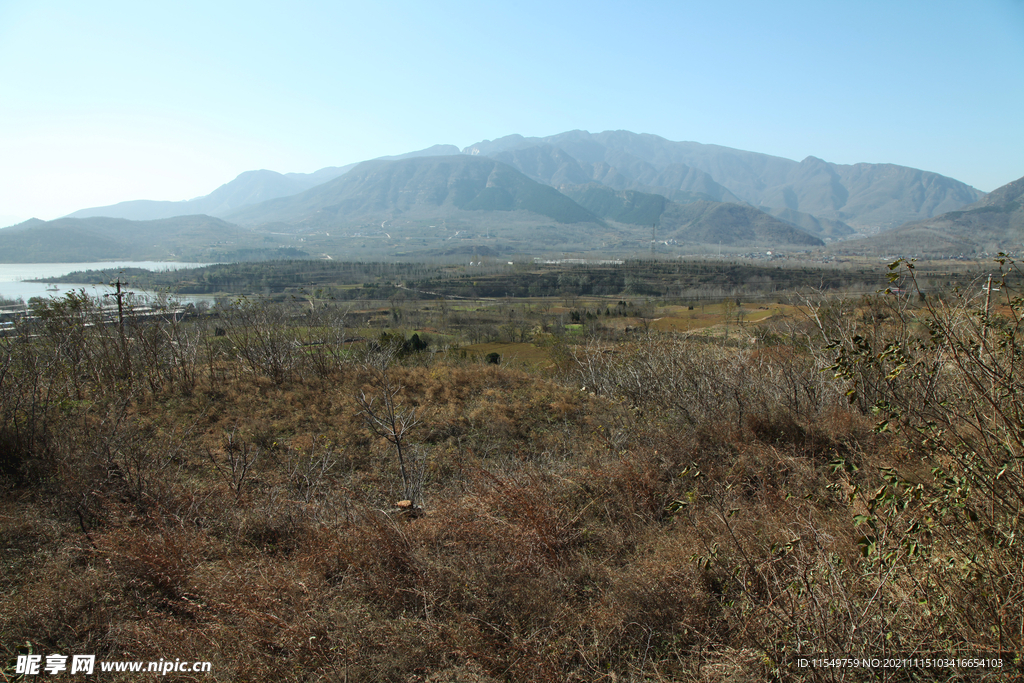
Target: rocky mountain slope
x: 994, y: 224
x: 871, y: 197
x: 419, y: 187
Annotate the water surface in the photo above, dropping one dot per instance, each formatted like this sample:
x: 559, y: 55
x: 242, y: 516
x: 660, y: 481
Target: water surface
x: 13, y: 276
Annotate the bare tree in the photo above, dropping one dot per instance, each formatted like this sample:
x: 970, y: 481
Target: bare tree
x: 261, y: 338
x: 387, y: 417
x: 237, y: 464
x: 325, y: 341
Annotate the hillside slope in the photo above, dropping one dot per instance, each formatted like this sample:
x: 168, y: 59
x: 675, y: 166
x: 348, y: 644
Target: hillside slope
x: 417, y: 187
x: 250, y: 187
x: 730, y: 225
x: 65, y: 240
x: 866, y: 196
x: 702, y: 222
x: 994, y: 224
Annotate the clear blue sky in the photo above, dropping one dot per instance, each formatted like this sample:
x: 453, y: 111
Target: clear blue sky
x: 106, y: 101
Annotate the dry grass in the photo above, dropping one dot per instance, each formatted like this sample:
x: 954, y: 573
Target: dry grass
x: 518, y: 354
x: 566, y: 535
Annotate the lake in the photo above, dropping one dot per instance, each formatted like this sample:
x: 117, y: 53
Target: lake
x: 13, y: 276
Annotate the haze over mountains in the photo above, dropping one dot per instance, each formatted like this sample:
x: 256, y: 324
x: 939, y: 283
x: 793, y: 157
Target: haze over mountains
x: 426, y: 187
x: 994, y: 224
x: 873, y: 196
x: 600, y: 191
x: 103, y: 238
x: 699, y: 222
x: 248, y: 188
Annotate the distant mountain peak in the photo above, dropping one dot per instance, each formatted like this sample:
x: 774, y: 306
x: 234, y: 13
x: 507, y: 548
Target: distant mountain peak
x: 866, y: 196
x: 432, y: 151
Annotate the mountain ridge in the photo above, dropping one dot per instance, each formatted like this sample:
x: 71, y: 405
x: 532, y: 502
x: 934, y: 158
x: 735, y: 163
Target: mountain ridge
x: 420, y: 185
x: 993, y: 224
x: 868, y: 196
x: 871, y: 197
x: 248, y: 187
x: 779, y: 199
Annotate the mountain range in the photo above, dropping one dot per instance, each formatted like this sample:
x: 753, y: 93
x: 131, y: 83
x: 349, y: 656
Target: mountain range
x: 248, y: 188
x: 429, y: 186
x: 867, y: 196
x: 989, y: 226
x: 614, y: 187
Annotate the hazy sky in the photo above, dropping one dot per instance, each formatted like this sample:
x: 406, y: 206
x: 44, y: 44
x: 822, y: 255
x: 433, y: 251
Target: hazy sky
x: 104, y: 101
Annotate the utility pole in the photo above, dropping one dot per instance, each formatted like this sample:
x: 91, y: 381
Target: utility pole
x: 120, y: 321
x: 988, y: 301
x: 120, y: 304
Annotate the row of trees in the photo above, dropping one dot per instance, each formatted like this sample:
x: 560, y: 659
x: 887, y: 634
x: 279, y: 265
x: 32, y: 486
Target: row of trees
x: 348, y: 280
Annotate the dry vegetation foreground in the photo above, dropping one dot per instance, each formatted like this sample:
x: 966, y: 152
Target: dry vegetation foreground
x: 657, y: 507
